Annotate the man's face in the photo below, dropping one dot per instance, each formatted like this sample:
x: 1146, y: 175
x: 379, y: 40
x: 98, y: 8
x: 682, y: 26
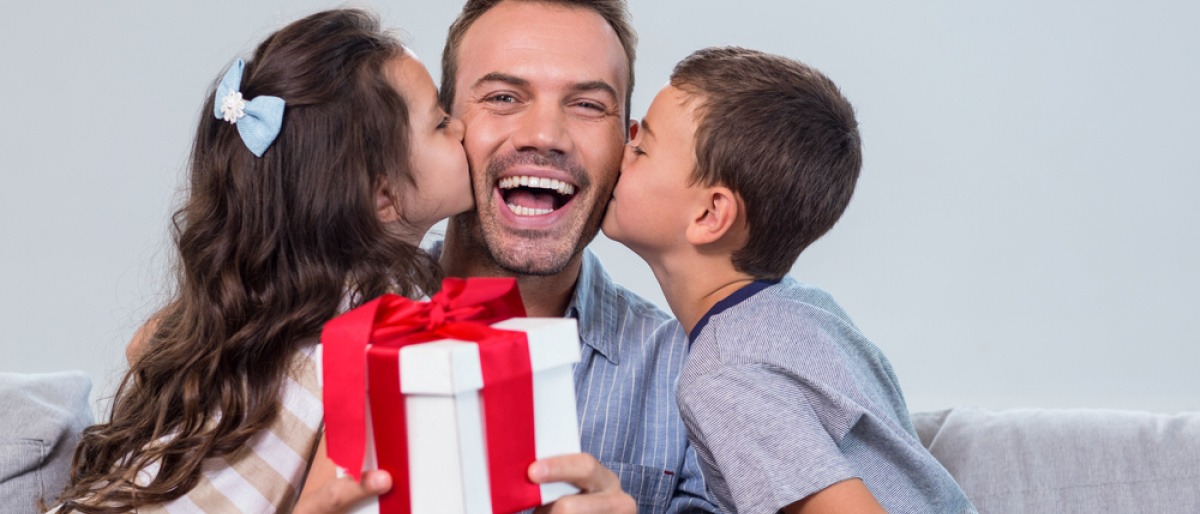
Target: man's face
x: 541, y: 90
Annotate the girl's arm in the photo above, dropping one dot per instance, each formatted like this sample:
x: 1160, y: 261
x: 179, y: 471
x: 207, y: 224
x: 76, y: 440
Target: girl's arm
x: 324, y: 493
x: 322, y: 472
x: 134, y: 349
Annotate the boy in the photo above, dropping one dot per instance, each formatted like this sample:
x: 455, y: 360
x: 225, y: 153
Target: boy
x: 741, y: 162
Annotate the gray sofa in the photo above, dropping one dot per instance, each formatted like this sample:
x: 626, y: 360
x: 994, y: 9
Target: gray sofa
x: 1027, y: 461
x: 41, y: 417
x: 1069, y: 461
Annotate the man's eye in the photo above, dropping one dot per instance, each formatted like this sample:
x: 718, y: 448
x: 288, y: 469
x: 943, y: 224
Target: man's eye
x: 501, y: 98
x: 589, y: 109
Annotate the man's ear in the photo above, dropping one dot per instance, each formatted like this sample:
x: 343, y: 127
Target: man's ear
x: 385, y: 205
x: 718, y: 217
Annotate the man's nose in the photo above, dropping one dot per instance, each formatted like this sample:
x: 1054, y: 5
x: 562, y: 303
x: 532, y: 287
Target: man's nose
x: 543, y: 129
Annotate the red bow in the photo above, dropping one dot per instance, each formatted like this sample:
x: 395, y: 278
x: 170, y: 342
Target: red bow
x: 462, y: 310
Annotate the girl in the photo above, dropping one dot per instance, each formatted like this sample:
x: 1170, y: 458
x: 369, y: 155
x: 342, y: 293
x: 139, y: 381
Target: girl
x: 318, y: 166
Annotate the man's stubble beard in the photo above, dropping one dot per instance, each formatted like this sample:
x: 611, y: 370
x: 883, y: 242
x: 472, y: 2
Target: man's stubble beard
x: 526, y: 252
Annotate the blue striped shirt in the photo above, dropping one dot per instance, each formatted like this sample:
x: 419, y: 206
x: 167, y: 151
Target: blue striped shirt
x: 631, y: 356
x: 632, y: 353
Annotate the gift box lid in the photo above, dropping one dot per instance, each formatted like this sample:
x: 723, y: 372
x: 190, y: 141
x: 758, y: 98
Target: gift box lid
x: 450, y: 366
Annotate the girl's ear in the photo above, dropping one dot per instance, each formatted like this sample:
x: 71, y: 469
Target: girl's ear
x: 717, y: 219
x: 385, y: 205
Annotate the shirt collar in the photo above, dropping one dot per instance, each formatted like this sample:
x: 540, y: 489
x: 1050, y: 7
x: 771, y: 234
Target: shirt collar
x: 739, y: 296
x: 594, y: 305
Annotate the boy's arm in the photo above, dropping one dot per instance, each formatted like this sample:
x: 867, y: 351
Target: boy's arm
x: 847, y: 497
x: 759, y: 430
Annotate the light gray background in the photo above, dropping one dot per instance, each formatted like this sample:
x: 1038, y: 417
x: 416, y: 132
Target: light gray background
x: 1025, y: 232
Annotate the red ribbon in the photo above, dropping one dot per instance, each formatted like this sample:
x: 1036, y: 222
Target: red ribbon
x: 462, y: 310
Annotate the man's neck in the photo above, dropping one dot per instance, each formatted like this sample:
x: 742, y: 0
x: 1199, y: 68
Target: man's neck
x: 693, y: 283
x: 544, y: 296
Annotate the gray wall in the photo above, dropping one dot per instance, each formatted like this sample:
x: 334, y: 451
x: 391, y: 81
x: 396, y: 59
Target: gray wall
x: 1024, y: 232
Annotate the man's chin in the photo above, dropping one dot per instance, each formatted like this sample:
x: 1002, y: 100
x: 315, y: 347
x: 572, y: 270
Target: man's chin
x: 535, y: 260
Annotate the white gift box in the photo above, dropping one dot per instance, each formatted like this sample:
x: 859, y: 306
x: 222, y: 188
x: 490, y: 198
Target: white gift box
x: 441, y: 383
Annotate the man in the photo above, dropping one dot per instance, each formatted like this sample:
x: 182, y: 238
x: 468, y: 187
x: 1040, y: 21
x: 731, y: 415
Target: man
x: 543, y: 87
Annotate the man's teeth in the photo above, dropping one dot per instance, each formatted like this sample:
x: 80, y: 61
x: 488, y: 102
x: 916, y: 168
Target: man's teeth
x: 561, y: 187
x: 527, y: 211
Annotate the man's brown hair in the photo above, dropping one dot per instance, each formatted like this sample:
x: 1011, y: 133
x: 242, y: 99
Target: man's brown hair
x: 615, y: 12
x: 779, y: 134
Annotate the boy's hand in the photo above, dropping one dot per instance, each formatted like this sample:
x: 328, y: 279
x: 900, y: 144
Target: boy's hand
x: 599, y: 488
x: 338, y: 496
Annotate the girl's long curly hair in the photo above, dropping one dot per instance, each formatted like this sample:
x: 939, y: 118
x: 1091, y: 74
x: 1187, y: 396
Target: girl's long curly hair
x: 268, y: 249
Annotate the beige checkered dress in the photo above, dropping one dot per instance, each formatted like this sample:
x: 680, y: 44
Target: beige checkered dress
x: 266, y: 476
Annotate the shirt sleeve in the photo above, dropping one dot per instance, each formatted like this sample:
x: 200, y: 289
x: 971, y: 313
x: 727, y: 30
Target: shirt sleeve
x: 759, y: 430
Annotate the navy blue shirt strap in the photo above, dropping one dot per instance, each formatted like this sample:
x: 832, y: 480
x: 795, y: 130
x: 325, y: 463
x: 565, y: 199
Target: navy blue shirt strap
x: 735, y: 298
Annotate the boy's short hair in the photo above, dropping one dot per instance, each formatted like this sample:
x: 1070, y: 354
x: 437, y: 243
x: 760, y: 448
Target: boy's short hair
x: 779, y: 134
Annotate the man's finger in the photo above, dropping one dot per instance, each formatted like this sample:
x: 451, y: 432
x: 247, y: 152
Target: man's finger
x: 580, y: 469
x: 607, y: 503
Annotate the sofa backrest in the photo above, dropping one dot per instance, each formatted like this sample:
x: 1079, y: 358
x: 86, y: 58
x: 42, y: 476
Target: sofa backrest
x: 1068, y: 461
x: 41, y: 417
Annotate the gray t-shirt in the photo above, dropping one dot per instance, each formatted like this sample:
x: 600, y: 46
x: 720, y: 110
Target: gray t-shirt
x: 783, y: 396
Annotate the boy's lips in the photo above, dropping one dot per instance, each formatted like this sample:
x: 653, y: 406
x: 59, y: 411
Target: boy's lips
x: 533, y: 198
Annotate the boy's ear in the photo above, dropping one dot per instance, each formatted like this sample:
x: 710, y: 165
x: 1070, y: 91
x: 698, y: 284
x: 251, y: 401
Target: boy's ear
x: 717, y: 219
x: 385, y: 206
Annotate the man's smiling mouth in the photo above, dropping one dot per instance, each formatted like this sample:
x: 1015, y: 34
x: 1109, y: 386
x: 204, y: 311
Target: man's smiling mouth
x: 527, y: 195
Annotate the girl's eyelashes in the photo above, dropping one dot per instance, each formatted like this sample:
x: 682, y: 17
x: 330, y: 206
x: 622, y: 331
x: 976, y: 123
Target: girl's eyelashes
x: 444, y: 123
x: 637, y: 150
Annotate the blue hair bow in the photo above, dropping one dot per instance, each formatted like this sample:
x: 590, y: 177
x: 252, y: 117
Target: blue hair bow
x: 258, y: 121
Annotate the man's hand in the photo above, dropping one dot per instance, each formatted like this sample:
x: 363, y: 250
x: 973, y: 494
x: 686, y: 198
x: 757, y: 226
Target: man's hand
x: 338, y: 496
x: 599, y: 488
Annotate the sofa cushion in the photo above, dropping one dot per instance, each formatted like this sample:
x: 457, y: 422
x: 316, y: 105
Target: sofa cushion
x: 40, y: 423
x: 1066, y: 461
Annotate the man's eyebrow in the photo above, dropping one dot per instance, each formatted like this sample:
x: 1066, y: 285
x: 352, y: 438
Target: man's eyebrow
x: 496, y: 76
x: 594, y: 85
